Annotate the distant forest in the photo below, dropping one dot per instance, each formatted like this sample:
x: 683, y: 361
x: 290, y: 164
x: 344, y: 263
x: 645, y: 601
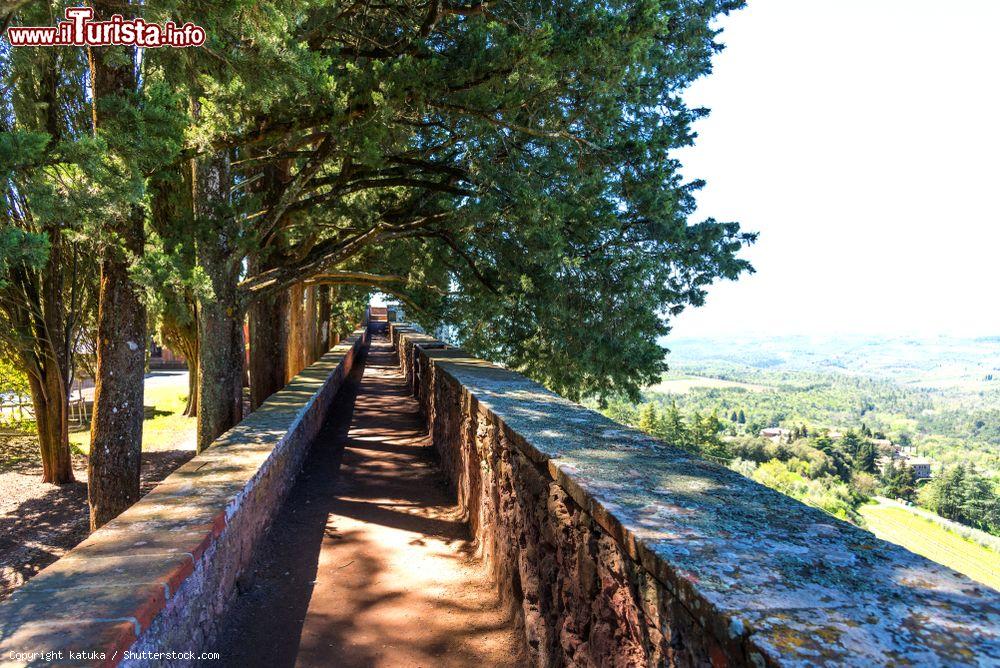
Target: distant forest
x: 957, y: 427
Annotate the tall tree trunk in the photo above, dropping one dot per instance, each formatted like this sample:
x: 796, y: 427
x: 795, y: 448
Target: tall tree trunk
x: 191, y: 407
x: 56, y: 462
x: 323, y: 320
x: 268, y: 346
x: 188, y: 346
x: 269, y: 326
x: 35, y: 304
x: 54, y: 364
x: 49, y: 401
x: 116, y: 429
x: 43, y: 425
x: 295, y: 342
x: 310, y: 328
x: 334, y: 320
x: 220, y: 363
x: 57, y: 354
x: 221, y: 351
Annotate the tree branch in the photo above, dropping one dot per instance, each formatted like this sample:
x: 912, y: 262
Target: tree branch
x: 533, y: 132
x: 294, y: 188
x: 347, y: 276
x: 448, y: 239
x: 319, y: 258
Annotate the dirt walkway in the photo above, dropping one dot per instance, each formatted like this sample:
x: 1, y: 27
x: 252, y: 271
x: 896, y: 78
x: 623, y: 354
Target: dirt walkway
x: 368, y: 562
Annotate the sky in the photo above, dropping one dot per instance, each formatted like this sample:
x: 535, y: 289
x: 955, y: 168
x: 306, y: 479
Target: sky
x: 861, y: 140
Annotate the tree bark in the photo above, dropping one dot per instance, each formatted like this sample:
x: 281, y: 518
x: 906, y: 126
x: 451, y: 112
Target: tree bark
x: 41, y: 364
x: 269, y: 328
x: 55, y: 365
x: 57, y: 354
x: 116, y: 429
x: 323, y: 320
x: 51, y: 407
x: 295, y: 335
x: 56, y: 463
x: 334, y: 320
x: 183, y: 337
x: 268, y: 347
x: 309, y: 328
x: 221, y: 352
x: 191, y: 407
x: 220, y: 363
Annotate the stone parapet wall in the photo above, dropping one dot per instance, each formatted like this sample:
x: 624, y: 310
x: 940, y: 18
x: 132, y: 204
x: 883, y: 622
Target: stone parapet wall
x: 160, y: 577
x: 406, y: 347
x: 615, y: 549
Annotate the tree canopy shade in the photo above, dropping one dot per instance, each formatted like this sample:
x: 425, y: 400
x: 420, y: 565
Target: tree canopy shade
x: 504, y: 168
x: 511, y: 162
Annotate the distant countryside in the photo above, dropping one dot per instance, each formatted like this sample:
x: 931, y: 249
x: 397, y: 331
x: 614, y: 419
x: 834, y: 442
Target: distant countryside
x: 900, y: 436
x: 462, y: 333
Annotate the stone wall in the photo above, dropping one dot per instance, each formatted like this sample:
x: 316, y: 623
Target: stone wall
x: 614, y: 549
x: 160, y: 577
x: 406, y: 347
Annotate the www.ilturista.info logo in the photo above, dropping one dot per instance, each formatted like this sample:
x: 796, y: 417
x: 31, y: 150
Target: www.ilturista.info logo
x: 79, y: 30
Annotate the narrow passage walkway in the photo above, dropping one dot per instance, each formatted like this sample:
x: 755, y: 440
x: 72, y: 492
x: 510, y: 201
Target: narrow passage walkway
x: 368, y: 562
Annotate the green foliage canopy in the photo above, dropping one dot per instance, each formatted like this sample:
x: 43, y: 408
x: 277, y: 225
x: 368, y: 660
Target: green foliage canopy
x: 507, y: 168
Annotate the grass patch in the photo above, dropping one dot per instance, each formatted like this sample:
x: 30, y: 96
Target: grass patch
x: 927, y: 538
x: 164, y: 428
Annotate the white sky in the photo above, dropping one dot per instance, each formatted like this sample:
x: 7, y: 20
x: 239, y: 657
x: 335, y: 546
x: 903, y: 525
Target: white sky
x: 861, y: 138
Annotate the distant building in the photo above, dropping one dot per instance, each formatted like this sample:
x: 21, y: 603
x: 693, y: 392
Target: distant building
x: 921, y: 467
x: 775, y: 433
x: 162, y: 357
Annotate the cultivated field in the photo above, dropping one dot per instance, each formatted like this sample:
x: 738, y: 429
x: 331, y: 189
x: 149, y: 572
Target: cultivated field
x: 925, y: 537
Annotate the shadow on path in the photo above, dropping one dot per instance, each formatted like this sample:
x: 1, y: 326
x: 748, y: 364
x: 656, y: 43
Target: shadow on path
x: 369, y: 562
